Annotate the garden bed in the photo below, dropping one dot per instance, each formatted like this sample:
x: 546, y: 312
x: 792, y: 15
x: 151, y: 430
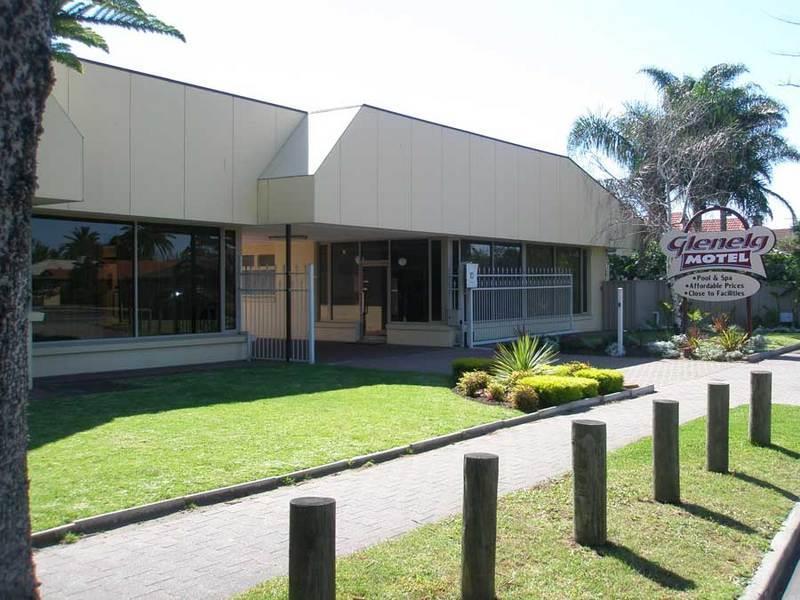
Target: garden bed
x: 708, y: 547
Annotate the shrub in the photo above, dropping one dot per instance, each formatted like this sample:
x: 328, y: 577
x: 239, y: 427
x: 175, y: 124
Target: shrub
x: 469, y: 363
x: 720, y: 322
x: 524, y: 398
x: 473, y: 382
x: 567, y: 369
x: 496, y: 391
x: 757, y: 343
x: 733, y: 339
x: 614, y: 349
x: 554, y: 389
x: 515, y: 377
x: 608, y: 380
x: 663, y: 349
x: 526, y: 353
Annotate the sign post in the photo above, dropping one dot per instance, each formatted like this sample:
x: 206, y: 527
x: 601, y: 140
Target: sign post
x: 716, y: 266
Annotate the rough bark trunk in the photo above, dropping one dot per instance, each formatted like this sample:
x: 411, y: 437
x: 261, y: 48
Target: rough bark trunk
x: 25, y: 81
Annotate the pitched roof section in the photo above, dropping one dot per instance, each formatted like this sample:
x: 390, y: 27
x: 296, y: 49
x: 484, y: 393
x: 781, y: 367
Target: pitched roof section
x: 310, y: 143
x: 709, y: 225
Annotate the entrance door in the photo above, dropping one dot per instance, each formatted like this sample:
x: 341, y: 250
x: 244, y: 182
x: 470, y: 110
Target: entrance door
x: 373, y: 294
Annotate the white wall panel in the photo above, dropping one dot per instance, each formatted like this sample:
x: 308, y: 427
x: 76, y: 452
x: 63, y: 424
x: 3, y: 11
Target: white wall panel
x: 549, y: 193
x: 209, y: 155
x: 254, y: 146
x: 61, y: 86
x: 326, y: 188
x: 59, y: 174
x: 455, y: 182
x: 359, y: 170
x: 529, y: 196
x: 99, y: 105
x: 157, y: 147
x: 427, y: 200
x: 394, y: 171
x: 481, y: 186
x: 505, y: 191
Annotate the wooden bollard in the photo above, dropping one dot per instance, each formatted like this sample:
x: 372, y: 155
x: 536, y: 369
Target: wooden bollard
x: 312, y: 549
x: 761, y: 408
x: 666, y: 452
x: 479, y: 530
x: 589, y: 477
x: 717, y: 427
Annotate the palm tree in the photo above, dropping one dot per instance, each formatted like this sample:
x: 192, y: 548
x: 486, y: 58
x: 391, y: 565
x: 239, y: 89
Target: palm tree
x: 34, y: 33
x: 708, y: 141
x: 82, y: 243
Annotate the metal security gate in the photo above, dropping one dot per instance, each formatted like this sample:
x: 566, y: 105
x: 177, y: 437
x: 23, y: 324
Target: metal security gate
x: 507, y: 303
x: 278, y: 313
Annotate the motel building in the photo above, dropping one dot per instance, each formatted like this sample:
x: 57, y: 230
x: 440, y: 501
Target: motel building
x: 167, y: 213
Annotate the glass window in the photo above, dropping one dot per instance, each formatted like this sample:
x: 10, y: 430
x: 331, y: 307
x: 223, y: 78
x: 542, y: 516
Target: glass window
x: 248, y: 261
x: 230, y: 279
x: 507, y: 256
x: 82, y: 275
x: 344, y: 273
x: 322, y: 276
x: 539, y: 257
x: 436, y: 280
x: 574, y: 261
x: 410, y: 280
x: 266, y: 261
x: 477, y: 252
x: 375, y: 250
x: 179, y: 279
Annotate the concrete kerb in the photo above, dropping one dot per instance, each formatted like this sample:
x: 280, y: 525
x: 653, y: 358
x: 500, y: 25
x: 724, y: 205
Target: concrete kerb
x: 162, y: 508
x: 771, y: 575
x: 759, y: 356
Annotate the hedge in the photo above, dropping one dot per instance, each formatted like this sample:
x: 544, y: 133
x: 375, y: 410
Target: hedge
x: 555, y: 389
x: 469, y: 363
x: 608, y: 380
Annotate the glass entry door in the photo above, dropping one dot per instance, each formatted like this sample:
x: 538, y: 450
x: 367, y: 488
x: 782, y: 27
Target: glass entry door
x: 373, y: 298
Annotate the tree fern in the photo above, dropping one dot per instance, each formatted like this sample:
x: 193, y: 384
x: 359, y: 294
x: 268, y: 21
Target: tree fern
x: 71, y: 21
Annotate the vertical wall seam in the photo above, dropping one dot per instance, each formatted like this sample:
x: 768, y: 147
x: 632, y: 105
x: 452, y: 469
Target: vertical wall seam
x: 378, y: 169
x: 185, y: 161
x: 233, y: 154
x: 130, y: 144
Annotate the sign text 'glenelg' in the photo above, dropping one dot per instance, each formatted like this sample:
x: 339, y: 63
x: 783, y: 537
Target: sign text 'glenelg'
x: 736, y: 250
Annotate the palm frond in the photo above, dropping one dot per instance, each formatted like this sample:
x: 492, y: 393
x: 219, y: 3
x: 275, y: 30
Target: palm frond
x: 62, y: 53
x: 783, y: 201
x: 661, y: 78
x: 69, y: 29
x: 596, y: 132
x: 127, y: 14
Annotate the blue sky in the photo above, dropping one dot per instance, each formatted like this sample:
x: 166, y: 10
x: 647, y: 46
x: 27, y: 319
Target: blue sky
x: 521, y: 71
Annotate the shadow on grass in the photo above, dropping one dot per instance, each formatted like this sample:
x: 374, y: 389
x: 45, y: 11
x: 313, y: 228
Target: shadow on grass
x: 645, y: 567
x: 767, y: 486
x: 786, y: 451
x: 715, y: 517
x: 68, y: 411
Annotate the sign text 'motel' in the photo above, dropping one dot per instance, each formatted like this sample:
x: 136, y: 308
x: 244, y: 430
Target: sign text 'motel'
x: 736, y: 250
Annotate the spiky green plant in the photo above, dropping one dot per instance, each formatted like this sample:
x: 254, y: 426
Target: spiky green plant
x: 72, y: 21
x: 526, y: 353
x: 733, y: 339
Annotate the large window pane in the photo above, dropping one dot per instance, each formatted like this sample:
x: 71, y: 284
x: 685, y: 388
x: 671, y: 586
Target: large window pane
x: 573, y: 260
x: 410, y: 280
x: 344, y: 274
x: 436, y: 280
x: 230, y: 279
x: 322, y: 276
x: 507, y: 256
x: 539, y: 257
x: 82, y: 279
x: 179, y: 279
x: 477, y: 252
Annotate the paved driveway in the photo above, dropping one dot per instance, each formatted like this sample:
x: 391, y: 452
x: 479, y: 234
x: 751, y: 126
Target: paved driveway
x: 219, y: 550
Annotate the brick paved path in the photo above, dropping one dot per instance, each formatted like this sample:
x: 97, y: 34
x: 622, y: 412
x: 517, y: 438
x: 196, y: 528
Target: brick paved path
x: 216, y: 551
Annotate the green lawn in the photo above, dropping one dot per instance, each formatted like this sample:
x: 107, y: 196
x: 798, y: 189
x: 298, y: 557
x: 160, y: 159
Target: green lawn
x: 706, y: 548
x: 173, y: 435
x: 779, y: 340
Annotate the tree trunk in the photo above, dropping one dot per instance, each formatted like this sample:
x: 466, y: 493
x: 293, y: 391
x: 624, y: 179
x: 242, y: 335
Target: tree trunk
x: 25, y: 81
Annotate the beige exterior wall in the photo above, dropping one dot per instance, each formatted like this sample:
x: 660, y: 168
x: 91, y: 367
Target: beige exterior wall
x: 394, y: 172
x: 158, y: 148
